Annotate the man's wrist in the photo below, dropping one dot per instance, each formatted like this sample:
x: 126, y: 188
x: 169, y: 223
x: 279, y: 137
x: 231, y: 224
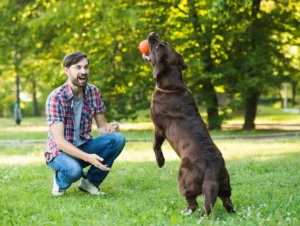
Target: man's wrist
x: 85, y: 157
x: 102, y: 130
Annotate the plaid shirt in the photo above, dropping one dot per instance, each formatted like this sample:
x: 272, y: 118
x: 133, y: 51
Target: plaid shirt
x: 59, y: 108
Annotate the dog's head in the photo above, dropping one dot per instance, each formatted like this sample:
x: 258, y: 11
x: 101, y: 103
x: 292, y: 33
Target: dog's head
x: 163, y: 58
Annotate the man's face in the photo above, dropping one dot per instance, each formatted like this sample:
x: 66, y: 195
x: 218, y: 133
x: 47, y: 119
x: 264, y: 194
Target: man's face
x: 78, y: 73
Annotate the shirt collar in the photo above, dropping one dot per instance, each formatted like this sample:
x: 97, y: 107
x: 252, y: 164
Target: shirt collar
x: 70, y: 92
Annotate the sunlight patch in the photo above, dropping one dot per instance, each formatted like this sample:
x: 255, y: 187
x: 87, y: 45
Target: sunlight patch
x: 20, y: 160
x: 26, y: 129
x: 146, y: 155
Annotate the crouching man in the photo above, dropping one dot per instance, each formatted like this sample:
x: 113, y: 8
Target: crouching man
x: 70, y: 110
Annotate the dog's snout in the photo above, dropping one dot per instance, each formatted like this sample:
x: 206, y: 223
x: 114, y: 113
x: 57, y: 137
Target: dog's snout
x: 152, y: 33
x: 153, y: 36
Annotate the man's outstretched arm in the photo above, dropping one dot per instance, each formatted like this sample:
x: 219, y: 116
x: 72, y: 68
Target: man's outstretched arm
x: 57, y: 130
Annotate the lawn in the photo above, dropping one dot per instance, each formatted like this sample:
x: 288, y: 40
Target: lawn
x: 264, y: 174
x: 265, y: 181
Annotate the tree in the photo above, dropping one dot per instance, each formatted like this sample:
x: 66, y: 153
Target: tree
x: 256, y: 58
x: 241, y: 48
x: 12, y: 42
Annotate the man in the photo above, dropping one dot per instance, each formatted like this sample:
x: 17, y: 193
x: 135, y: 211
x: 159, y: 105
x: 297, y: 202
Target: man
x: 70, y: 147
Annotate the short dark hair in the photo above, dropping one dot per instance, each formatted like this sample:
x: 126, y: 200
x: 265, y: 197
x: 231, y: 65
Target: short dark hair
x: 74, y: 58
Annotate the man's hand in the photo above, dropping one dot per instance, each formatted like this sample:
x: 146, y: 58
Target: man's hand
x: 96, y: 160
x: 105, y: 127
x: 113, y: 127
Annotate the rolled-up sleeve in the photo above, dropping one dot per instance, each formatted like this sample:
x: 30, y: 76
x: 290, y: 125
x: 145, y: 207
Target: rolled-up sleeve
x: 99, y: 106
x: 53, y: 110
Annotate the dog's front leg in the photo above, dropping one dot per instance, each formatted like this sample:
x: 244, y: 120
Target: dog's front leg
x: 158, y: 141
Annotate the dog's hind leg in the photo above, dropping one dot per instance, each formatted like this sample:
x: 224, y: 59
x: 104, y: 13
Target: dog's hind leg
x: 192, y: 204
x: 225, y: 191
x: 210, y: 189
x: 227, y: 204
x: 188, y: 186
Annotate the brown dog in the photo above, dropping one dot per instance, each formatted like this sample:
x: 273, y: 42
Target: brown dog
x: 176, y: 118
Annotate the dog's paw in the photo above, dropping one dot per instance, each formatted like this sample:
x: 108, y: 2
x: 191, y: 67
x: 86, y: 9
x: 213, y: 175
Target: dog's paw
x: 161, y: 164
x: 232, y: 210
x: 160, y: 161
x: 229, y: 208
x: 186, y: 212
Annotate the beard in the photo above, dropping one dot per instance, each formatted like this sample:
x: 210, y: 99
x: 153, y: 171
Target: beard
x: 80, y: 80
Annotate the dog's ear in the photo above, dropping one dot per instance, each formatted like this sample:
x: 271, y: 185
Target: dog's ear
x: 161, y: 68
x: 181, y: 62
x: 162, y: 65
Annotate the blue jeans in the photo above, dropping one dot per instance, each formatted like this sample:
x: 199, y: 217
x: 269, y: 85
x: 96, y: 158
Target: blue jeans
x: 69, y: 169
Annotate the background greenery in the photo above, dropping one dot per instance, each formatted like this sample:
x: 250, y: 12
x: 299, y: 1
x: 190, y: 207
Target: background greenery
x: 243, y: 50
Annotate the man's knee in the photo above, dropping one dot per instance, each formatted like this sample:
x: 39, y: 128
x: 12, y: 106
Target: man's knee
x: 120, y: 141
x: 73, y: 172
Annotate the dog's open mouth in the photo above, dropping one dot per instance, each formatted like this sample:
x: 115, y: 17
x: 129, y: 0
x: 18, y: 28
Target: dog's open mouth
x: 146, y: 57
x: 153, y: 40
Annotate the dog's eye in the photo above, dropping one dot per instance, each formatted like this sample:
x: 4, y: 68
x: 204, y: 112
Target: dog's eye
x: 161, y: 45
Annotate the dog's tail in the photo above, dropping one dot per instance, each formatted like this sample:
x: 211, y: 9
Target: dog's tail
x: 210, y: 189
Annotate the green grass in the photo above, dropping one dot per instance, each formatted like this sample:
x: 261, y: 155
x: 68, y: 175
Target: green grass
x: 265, y: 180
x: 268, y: 115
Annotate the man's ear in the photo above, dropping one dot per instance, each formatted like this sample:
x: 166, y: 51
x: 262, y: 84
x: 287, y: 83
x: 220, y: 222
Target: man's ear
x: 66, y: 70
x: 181, y: 62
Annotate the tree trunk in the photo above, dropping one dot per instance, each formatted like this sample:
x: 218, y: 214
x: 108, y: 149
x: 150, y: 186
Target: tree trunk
x: 36, y: 111
x: 250, y: 111
x: 210, y: 95
x: 252, y: 97
x: 294, y: 88
x: 280, y: 98
x: 17, y: 109
x: 214, y: 122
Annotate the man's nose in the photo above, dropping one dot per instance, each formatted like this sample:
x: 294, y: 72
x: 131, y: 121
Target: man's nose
x: 83, y: 70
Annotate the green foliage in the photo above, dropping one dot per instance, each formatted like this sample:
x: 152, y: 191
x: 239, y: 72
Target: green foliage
x: 229, y: 48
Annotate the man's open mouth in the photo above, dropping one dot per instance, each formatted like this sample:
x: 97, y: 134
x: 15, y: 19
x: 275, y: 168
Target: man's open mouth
x: 82, y: 79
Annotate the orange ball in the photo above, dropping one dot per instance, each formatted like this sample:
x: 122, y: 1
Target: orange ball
x: 144, y: 47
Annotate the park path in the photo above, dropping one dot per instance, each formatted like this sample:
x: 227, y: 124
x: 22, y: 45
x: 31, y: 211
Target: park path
x: 287, y: 131
x: 259, y: 137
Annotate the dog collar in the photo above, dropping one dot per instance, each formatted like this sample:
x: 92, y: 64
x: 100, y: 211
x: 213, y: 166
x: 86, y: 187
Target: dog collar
x: 166, y: 91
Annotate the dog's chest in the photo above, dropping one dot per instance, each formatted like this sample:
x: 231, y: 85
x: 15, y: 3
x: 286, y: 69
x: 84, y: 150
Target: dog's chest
x: 163, y: 105
x: 166, y: 107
